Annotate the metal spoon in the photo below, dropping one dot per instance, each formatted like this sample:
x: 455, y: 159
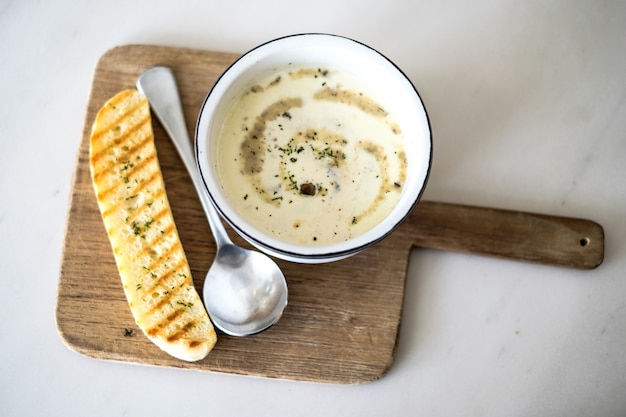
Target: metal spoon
x: 245, y: 291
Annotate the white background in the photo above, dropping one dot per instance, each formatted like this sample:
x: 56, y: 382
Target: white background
x: 527, y: 104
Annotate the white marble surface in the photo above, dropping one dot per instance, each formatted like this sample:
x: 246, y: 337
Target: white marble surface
x: 527, y: 103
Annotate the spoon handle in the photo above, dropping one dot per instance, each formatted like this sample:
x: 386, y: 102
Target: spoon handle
x: 540, y: 238
x: 159, y: 86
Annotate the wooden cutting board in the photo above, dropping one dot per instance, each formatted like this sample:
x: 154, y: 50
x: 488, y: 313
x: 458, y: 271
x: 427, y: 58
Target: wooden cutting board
x: 343, y: 318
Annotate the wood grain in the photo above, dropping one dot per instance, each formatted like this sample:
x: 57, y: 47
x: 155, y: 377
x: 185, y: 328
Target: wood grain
x: 342, y: 321
x: 540, y: 238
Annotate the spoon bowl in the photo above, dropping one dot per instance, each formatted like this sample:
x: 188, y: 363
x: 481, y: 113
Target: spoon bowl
x: 246, y: 304
x: 245, y: 291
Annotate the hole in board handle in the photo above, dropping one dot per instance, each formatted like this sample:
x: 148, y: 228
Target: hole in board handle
x: 584, y: 242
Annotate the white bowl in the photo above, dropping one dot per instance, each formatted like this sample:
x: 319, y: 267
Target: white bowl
x: 382, y: 77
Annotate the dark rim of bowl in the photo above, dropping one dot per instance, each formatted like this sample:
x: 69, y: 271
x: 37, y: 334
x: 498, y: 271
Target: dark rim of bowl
x: 326, y: 255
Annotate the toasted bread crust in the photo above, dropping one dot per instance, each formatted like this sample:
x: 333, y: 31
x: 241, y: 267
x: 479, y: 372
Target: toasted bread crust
x: 136, y: 213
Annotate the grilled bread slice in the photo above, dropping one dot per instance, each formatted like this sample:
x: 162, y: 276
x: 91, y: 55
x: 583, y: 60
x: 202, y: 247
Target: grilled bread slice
x: 152, y: 264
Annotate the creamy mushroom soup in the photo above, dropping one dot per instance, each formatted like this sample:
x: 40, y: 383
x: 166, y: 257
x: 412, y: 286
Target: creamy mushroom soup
x: 309, y: 157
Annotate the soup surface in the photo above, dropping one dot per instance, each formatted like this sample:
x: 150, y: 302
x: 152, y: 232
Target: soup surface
x: 309, y: 157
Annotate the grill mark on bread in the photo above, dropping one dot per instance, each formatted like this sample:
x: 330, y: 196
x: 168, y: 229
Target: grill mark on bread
x: 170, y: 320
x: 153, y: 219
x: 160, y: 283
x: 141, y: 131
x: 118, y: 99
x: 165, y: 299
x: 104, y: 128
x: 169, y: 250
x: 139, y: 212
x: 163, y: 233
x: 140, y: 188
x: 148, y: 269
x: 137, y: 216
x: 143, y: 184
x: 167, y: 295
x: 131, y: 171
x: 182, y: 331
x: 158, y: 327
x: 152, y: 229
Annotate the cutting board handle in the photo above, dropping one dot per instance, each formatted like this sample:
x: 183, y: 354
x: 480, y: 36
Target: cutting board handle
x: 553, y: 240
